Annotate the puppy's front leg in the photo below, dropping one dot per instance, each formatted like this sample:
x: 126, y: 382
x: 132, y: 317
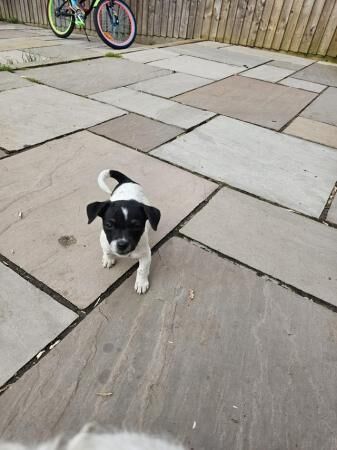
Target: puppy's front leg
x: 107, y: 260
x: 142, y: 280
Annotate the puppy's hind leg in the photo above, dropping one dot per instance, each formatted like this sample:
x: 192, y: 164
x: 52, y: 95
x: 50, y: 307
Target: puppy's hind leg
x: 142, y: 280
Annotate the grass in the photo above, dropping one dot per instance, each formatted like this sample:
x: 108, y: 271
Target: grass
x: 6, y: 68
x: 113, y: 55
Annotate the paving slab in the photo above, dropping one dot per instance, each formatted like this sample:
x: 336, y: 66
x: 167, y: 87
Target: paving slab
x: 17, y: 59
x: 292, y: 248
x: 2, y: 154
x: 301, y: 84
x: 276, y: 56
x: 145, y: 56
x: 295, y: 173
x: 268, y: 73
x: 198, y: 67
x: 290, y: 65
x: 332, y: 214
x: 138, y: 132
x: 319, y: 73
x: 55, y: 113
x: 24, y: 43
x: 157, y: 108
x: 324, y: 108
x: 100, y: 75
x: 212, y: 44
x: 29, y: 320
x: 216, y: 54
x: 67, y: 52
x: 313, y: 131
x: 170, y: 85
x: 15, y: 33
x: 243, y: 351
x: 254, y: 101
x: 12, y: 81
x: 53, y: 195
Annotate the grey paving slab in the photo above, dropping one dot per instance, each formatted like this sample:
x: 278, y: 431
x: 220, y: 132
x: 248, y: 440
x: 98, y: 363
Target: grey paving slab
x: 286, y: 170
x: 301, y: 84
x: 290, y: 65
x: 243, y: 351
x: 15, y: 33
x: 100, y: 75
x: 53, y: 195
x: 216, y: 54
x: 313, y: 131
x: 34, y: 114
x: 170, y: 85
x: 145, y: 56
x: 324, y: 108
x: 12, y: 81
x: 255, y: 101
x: 212, y: 44
x: 276, y: 56
x: 138, y: 132
x: 24, y: 43
x: 332, y: 214
x: 198, y: 67
x: 17, y: 59
x: 29, y: 320
x: 161, y: 109
x: 319, y: 73
x: 290, y: 247
x: 67, y: 52
x: 268, y: 73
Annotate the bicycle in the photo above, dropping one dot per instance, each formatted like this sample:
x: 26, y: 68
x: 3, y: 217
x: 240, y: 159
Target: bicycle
x: 114, y: 21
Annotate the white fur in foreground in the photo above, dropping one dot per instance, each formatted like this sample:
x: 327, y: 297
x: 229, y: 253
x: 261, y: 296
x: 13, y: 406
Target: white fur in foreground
x: 100, y: 441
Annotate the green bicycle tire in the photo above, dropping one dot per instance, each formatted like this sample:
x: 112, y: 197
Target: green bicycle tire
x: 53, y: 25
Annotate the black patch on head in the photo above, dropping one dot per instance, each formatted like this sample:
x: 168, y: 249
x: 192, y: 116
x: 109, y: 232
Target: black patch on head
x: 125, y: 231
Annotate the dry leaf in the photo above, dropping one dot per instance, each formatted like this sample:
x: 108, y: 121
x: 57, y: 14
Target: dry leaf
x: 194, y: 425
x: 104, y: 394
x: 191, y: 294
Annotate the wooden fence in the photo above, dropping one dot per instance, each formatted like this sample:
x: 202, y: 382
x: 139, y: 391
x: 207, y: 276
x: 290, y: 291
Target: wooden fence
x: 301, y: 26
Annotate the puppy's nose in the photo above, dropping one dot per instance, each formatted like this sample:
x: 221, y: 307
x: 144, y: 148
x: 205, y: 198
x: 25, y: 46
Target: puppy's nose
x: 122, y: 245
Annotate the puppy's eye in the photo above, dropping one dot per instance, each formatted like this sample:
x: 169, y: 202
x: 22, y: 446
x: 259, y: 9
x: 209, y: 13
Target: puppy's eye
x: 110, y: 224
x: 136, y: 224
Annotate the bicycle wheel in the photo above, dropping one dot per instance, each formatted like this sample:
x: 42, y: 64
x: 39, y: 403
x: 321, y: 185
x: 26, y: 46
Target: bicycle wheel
x: 115, y: 23
x: 60, y: 19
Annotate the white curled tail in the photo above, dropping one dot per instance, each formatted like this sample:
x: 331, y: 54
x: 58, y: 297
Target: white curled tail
x: 101, y: 181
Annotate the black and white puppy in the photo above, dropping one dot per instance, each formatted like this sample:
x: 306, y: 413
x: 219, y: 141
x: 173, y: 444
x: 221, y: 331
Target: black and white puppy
x: 126, y: 218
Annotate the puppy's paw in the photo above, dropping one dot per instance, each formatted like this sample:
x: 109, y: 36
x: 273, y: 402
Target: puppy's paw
x: 141, y: 285
x: 108, y: 261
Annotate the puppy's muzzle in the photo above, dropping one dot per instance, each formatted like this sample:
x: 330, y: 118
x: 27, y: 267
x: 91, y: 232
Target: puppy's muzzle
x: 123, y: 246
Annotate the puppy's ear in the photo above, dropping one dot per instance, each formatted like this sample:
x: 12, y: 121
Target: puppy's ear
x: 96, y: 209
x: 153, y: 214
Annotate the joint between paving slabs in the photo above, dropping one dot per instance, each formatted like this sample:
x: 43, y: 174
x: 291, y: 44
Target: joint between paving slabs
x: 264, y: 275
x: 323, y: 216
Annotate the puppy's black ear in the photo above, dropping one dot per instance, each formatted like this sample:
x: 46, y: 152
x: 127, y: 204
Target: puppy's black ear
x: 153, y: 214
x: 96, y: 209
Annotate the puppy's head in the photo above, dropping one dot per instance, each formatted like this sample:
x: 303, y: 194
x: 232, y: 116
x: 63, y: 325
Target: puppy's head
x: 123, y: 222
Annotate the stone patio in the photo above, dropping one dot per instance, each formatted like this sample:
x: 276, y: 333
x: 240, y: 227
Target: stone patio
x: 235, y: 344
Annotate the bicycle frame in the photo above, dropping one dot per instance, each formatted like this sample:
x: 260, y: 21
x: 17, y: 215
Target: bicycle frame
x: 93, y: 5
